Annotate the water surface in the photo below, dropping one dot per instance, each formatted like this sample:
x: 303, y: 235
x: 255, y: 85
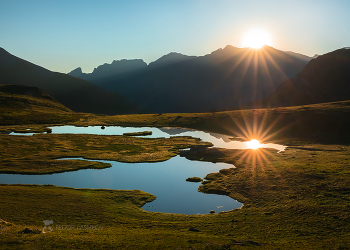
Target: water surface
x: 166, y: 180
x: 218, y: 140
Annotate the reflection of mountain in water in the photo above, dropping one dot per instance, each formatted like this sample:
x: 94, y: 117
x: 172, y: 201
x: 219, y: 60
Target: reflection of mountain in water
x: 174, y: 131
x: 225, y: 138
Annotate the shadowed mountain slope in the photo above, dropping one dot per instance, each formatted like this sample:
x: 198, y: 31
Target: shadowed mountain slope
x: 324, y: 79
x: 223, y: 79
x: 20, y: 105
x: 75, y: 93
x: 29, y: 98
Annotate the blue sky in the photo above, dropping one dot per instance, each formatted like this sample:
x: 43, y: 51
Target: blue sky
x: 62, y: 35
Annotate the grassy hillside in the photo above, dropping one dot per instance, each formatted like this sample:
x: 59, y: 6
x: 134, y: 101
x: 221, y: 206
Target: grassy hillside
x: 30, y: 105
x: 324, y: 122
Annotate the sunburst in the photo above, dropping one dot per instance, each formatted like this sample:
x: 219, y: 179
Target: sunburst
x: 256, y: 38
x: 253, y: 144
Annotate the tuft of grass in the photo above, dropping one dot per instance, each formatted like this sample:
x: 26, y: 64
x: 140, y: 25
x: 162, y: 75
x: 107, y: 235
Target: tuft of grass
x: 138, y: 133
x: 194, y: 179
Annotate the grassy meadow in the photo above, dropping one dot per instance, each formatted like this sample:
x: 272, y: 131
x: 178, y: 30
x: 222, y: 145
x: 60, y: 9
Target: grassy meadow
x: 296, y: 199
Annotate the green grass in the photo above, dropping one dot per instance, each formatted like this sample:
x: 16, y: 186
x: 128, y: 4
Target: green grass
x: 37, y: 154
x: 20, y: 109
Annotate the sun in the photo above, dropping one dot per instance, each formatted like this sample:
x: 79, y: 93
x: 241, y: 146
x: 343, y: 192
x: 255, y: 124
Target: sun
x: 256, y: 38
x: 253, y: 144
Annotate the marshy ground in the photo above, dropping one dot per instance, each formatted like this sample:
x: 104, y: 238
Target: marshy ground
x: 299, y: 198
x: 37, y: 154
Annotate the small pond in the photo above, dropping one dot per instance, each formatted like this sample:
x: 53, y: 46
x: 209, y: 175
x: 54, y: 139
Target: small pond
x: 166, y: 180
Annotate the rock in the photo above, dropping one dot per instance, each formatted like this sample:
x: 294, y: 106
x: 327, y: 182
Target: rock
x: 194, y: 179
x: 184, y: 152
x: 237, y: 242
x: 253, y: 242
x: 193, y: 229
x: 27, y: 231
x: 138, y: 133
x: 103, y: 127
x: 212, y: 212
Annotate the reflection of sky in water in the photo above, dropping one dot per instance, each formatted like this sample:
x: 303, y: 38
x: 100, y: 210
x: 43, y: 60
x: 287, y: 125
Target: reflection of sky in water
x: 166, y: 180
x: 221, y: 141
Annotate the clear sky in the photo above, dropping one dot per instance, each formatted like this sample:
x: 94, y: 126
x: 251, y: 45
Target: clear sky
x: 62, y: 35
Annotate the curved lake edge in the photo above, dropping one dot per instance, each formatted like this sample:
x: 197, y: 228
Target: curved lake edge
x: 59, y: 171
x: 175, y: 189
x: 201, y: 190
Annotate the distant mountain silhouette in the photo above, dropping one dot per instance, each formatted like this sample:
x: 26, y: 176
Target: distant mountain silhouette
x: 106, y: 70
x: 75, y: 93
x: 223, y: 79
x: 169, y: 59
x: 324, y: 79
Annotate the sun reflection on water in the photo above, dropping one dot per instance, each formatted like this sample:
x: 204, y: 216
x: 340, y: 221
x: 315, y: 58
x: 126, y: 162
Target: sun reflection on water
x: 253, y: 144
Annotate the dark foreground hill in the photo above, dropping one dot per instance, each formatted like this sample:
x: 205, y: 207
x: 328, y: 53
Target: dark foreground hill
x: 30, y: 105
x: 324, y: 79
x: 223, y: 79
x: 14, y: 96
x: 75, y: 93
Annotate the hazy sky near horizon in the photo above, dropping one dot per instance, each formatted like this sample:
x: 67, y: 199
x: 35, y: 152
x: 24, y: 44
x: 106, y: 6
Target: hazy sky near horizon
x: 62, y: 35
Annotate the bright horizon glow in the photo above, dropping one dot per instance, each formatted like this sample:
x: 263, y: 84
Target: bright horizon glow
x: 256, y: 38
x: 253, y: 144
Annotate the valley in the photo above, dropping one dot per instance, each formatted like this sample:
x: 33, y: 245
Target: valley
x: 291, y: 199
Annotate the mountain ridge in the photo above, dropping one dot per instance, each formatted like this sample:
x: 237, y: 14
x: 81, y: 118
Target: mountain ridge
x: 75, y: 93
x: 225, y: 78
x: 324, y: 79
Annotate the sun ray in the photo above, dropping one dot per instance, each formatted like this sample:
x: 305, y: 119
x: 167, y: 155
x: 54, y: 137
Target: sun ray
x: 275, y: 64
x: 264, y: 64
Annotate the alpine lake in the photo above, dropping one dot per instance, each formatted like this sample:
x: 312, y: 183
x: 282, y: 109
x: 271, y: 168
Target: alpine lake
x: 166, y: 180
